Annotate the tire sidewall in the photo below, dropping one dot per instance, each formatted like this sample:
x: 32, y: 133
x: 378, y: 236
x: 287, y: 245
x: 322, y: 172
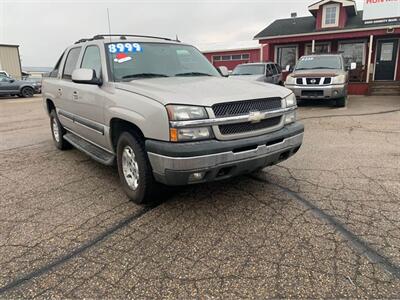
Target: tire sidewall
x: 127, y: 139
x: 31, y: 94
x: 53, y: 116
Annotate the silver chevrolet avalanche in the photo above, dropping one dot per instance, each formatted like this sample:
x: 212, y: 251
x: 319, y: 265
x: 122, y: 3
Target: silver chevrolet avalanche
x: 164, y: 115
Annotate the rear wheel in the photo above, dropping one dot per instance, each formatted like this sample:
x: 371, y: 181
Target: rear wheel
x: 27, y: 92
x: 57, y: 131
x: 341, y: 102
x: 135, y: 171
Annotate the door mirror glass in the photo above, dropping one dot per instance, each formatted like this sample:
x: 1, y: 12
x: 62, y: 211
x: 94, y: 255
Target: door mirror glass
x: 85, y: 76
x: 224, y: 71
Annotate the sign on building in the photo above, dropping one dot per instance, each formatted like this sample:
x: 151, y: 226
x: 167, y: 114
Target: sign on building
x: 381, y: 11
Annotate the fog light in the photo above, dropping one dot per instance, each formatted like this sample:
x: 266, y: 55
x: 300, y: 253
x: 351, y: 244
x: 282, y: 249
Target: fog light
x: 196, y: 176
x: 290, y: 117
x: 335, y: 93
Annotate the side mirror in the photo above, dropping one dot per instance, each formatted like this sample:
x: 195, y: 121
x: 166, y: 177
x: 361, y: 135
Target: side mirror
x: 11, y: 80
x: 224, y: 71
x: 353, y: 66
x: 85, y: 76
x: 288, y: 68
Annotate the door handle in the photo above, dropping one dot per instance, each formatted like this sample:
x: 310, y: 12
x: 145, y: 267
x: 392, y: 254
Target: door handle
x: 75, y: 95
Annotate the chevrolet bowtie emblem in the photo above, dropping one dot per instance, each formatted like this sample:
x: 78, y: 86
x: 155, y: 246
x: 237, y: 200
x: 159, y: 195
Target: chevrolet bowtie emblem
x: 255, y: 117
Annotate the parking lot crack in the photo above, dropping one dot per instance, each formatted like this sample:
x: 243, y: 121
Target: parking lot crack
x: 358, y: 244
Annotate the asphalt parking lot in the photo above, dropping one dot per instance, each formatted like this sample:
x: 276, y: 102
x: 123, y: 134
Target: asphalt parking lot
x: 325, y: 223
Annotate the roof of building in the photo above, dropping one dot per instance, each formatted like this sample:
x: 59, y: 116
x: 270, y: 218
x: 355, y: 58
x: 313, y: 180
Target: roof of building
x: 302, y: 25
x: 9, y: 45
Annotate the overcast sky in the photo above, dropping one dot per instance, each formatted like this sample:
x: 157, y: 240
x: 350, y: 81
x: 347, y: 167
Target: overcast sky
x: 43, y: 29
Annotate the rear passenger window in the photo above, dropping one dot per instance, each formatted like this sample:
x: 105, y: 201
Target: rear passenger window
x: 92, y: 60
x: 70, y: 63
x: 55, y: 70
x: 278, y: 68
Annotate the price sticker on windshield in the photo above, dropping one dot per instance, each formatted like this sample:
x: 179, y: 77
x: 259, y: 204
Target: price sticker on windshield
x: 124, y: 47
x: 307, y: 58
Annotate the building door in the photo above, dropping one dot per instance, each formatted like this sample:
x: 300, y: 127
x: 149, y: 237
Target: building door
x: 386, y: 58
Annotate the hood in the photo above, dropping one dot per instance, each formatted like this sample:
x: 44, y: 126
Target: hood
x: 203, y: 91
x: 317, y: 73
x: 248, y: 77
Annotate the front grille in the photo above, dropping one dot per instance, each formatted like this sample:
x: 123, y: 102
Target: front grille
x: 327, y: 80
x: 245, y: 107
x: 248, y: 127
x: 312, y: 81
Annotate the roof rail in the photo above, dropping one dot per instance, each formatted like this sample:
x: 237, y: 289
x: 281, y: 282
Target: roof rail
x: 83, y: 40
x: 123, y: 36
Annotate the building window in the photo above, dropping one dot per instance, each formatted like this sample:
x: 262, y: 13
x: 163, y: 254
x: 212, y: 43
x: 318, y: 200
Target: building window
x: 353, y: 52
x: 231, y: 57
x: 330, y: 15
x: 286, y: 56
x: 320, y: 48
x: 217, y: 58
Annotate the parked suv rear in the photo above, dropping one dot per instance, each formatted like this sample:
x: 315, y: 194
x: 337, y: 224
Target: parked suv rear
x: 265, y: 72
x: 320, y: 77
x: 164, y: 115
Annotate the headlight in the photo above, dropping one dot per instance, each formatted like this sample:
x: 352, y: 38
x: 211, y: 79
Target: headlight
x: 291, y: 100
x: 184, y: 113
x: 339, y: 79
x: 290, y: 80
x: 190, y: 134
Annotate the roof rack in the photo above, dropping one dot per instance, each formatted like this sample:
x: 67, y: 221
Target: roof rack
x: 123, y: 37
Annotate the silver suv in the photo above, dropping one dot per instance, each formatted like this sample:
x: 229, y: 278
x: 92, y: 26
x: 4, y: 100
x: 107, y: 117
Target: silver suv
x: 320, y: 76
x: 265, y: 72
x: 164, y: 115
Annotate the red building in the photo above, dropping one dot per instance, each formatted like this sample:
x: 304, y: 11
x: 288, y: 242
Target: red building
x: 370, y: 38
x: 230, y: 58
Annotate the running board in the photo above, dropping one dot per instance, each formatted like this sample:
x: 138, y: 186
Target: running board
x: 93, y: 151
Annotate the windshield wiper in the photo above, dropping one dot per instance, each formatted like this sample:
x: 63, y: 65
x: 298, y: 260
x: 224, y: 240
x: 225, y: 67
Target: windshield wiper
x: 144, y: 75
x: 192, y: 74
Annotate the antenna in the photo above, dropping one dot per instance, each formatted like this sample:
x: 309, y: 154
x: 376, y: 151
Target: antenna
x: 109, y: 31
x: 109, y: 22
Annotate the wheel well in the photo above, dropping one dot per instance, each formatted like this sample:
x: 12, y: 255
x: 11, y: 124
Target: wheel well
x: 50, y: 105
x: 117, y: 126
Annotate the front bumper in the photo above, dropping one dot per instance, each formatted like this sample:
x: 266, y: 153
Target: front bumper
x: 174, y: 164
x: 319, y: 91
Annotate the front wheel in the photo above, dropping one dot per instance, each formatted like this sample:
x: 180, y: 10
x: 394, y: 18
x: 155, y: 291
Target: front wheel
x: 341, y: 102
x: 27, y: 92
x: 135, y: 171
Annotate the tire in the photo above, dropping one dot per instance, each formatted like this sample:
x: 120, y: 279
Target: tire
x: 27, y: 92
x: 57, y: 132
x: 135, y: 172
x: 341, y: 102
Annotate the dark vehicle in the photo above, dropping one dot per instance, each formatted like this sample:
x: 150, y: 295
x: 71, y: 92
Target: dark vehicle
x: 265, y: 72
x: 21, y: 88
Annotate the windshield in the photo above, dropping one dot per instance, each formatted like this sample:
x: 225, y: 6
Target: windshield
x: 319, y: 62
x: 249, y: 70
x: 129, y: 61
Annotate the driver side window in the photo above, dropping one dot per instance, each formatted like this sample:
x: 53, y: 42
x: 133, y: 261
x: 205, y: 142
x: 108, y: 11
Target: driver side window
x: 92, y: 60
